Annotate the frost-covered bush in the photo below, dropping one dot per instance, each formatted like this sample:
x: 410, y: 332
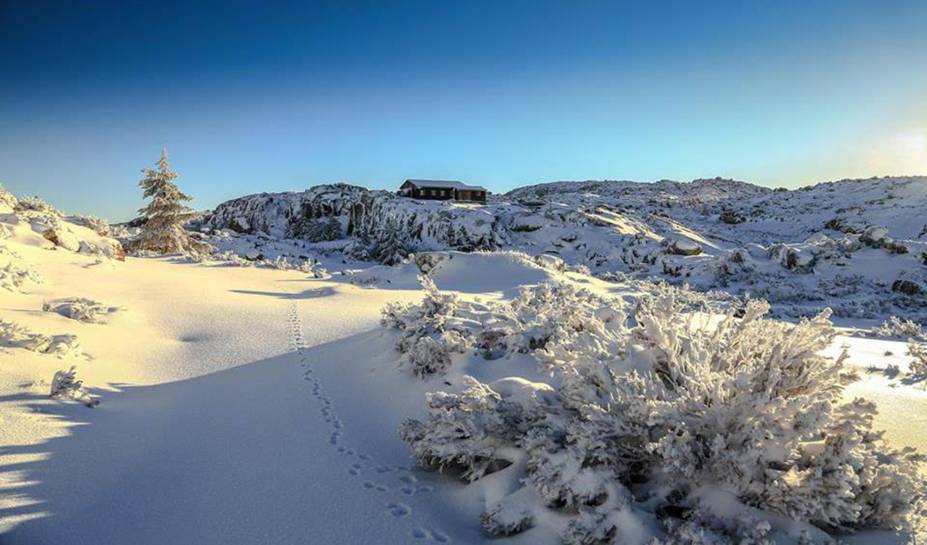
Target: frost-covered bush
x: 429, y: 331
x: 232, y: 259
x: 80, y: 309
x: 13, y: 277
x: 443, y: 324
x: 918, y: 353
x: 14, y: 335
x: 35, y: 204
x: 536, y: 317
x: 897, y: 327
x: 668, y: 403
x: 100, y: 225
x: 308, y: 266
x: 700, y: 527
x: 65, y: 385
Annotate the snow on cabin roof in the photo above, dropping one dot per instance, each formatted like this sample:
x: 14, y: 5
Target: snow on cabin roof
x: 447, y: 184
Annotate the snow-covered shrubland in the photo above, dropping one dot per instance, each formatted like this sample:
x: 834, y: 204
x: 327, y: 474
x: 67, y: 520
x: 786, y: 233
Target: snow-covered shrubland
x: 854, y: 246
x: 652, y: 414
x: 431, y: 332
x: 65, y: 385
x: 80, y: 309
x: 13, y: 335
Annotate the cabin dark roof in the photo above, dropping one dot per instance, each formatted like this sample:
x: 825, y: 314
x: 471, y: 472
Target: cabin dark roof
x: 446, y: 184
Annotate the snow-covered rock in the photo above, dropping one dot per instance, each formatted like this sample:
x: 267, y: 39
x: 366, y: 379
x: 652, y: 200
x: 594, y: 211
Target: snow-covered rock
x: 848, y: 239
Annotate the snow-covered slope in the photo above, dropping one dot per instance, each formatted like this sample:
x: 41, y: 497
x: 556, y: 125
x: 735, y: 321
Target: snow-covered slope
x: 858, y: 246
x: 252, y: 405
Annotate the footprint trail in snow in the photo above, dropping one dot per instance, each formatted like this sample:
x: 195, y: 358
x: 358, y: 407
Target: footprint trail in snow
x: 402, y: 484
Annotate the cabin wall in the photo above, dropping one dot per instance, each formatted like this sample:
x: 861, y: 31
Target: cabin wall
x: 443, y: 193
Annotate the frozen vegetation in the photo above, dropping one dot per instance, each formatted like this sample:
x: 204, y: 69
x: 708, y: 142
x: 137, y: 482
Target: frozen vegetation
x: 80, y: 309
x: 571, y: 363
x: 649, y: 415
x: 855, y: 246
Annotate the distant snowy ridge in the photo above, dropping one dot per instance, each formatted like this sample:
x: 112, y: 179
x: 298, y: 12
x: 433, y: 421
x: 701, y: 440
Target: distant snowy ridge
x: 859, y: 246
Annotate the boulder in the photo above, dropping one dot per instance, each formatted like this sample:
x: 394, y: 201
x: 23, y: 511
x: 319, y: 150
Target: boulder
x: 428, y: 261
x: 62, y: 237
x: 684, y: 247
x: 550, y: 262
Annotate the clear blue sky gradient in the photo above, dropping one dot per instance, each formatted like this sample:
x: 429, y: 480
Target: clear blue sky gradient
x: 270, y: 96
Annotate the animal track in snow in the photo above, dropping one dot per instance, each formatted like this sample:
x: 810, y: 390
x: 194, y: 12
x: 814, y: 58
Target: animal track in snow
x: 406, y: 483
x: 399, y: 510
x: 430, y: 534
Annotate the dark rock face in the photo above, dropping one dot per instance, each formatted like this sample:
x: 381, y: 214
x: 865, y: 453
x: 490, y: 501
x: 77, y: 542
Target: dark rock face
x: 332, y: 212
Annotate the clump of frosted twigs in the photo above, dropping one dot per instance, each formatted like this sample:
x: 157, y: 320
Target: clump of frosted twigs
x: 13, y: 277
x: 14, y: 335
x: 80, y: 309
x: 65, y: 385
x: 897, y: 327
x: 654, y: 416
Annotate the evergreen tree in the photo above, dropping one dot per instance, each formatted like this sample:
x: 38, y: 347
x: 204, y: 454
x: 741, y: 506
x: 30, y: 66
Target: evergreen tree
x: 165, y: 215
x: 391, y: 246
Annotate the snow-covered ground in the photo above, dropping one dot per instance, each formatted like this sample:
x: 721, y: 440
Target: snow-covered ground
x: 255, y: 405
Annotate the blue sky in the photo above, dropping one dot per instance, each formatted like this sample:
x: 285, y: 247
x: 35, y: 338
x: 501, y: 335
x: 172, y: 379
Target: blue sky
x: 270, y: 96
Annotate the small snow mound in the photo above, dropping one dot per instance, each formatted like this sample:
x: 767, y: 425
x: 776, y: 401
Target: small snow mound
x: 520, y: 390
x: 489, y: 272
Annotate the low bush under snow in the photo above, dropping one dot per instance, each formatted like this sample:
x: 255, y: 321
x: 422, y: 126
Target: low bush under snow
x: 80, y: 309
x: 649, y: 412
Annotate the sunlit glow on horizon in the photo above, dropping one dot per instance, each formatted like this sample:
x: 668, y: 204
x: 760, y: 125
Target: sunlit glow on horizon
x: 902, y: 153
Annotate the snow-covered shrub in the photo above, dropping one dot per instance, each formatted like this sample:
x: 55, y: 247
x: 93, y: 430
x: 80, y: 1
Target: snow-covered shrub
x: 14, y: 335
x: 80, y: 309
x: 918, y: 353
x: 700, y: 527
x: 232, y: 259
x: 99, y: 225
x: 538, y: 316
x: 429, y: 331
x: 898, y: 327
x: 507, y: 517
x: 35, y: 204
x: 65, y: 385
x: 13, y: 277
x: 673, y: 403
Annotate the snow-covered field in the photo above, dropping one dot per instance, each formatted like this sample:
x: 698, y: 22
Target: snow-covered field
x: 253, y: 404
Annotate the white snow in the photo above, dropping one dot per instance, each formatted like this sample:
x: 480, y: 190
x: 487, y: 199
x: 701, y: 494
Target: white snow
x: 255, y: 405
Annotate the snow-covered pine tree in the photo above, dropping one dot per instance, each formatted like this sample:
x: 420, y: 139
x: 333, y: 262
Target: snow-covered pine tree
x: 392, y: 248
x: 163, y: 232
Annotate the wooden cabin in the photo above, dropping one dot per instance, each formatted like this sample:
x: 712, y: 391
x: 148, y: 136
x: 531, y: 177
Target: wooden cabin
x: 442, y: 190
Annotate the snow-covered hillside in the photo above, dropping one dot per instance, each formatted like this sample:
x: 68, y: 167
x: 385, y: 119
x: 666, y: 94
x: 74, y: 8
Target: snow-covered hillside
x: 857, y: 246
x: 263, y: 403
